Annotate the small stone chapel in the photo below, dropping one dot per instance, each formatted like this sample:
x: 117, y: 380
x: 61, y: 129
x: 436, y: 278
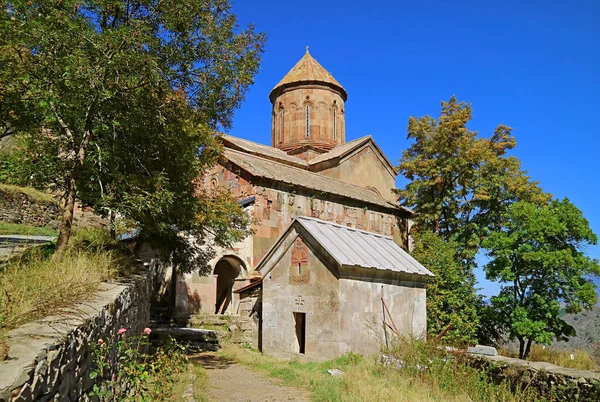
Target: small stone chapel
x: 328, y: 251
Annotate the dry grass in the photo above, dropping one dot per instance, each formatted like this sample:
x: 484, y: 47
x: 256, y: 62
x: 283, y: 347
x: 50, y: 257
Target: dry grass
x: 365, y: 379
x: 582, y: 360
x: 28, y: 191
x: 35, y: 285
x: 40, y: 286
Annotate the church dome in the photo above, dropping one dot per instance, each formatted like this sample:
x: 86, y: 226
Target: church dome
x: 308, y: 110
x: 307, y: 71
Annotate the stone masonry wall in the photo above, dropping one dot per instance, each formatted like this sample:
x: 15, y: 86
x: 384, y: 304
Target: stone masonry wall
x: 17, y: 207
x: 276, y: 207
x: 50, y: 359
x: 555, y: 382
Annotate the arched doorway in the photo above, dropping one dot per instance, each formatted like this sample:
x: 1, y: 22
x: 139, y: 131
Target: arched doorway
x: 227, y: 270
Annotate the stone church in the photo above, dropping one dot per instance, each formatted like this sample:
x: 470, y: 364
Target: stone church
x: 327, y: 256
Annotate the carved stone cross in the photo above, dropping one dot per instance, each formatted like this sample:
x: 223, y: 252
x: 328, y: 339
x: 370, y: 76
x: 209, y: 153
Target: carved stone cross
x: 299, y: 303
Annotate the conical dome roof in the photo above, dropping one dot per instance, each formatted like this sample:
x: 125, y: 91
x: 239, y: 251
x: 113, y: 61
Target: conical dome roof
x: 307, y: 71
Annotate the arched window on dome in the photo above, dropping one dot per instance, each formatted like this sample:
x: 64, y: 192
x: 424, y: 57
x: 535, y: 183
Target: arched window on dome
x: 280, y: 131
x: 334, y: 123
x: 307, y: 121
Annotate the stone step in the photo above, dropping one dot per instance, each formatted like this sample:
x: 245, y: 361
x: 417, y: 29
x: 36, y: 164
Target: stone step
x: 213, y: 319
x: 197, y: 340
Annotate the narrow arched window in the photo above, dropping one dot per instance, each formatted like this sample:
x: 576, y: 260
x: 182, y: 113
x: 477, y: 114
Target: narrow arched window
x: 307, y: 121
x: 334, y: 124
x: 280, y: 124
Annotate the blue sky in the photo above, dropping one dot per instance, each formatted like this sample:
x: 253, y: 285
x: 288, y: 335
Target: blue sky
x: 532, y: 65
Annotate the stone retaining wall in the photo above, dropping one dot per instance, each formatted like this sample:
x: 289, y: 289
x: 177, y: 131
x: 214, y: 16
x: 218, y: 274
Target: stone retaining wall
x: 17, y: 207
x: 50, y: 359
x: 554, y: 382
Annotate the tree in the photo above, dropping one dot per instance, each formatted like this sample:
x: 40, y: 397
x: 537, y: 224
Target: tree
x: 539, y: 257
x: 460, y: 183
x: 450, y: 301
x: 118, y: 101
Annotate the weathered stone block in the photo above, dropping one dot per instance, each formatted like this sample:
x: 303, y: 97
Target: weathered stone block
x: 483, y: 350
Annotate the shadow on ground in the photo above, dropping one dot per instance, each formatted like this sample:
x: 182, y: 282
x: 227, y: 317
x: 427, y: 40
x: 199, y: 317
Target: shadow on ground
x: 210, y: 361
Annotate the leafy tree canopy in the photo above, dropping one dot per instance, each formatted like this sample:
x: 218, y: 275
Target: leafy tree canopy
x: 461, y: 183
x: 116, y: 103
x: 450, y: 300
x: 539, y: 258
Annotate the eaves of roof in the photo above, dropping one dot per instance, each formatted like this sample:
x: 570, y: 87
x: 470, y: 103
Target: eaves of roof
x: 279, y: 172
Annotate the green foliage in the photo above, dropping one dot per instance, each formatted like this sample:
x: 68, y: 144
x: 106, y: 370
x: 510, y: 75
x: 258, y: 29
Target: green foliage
x: 125, y: 370
x: 539, y: 257
x: 18, y: 229
x: 460, y: 184
x: 450, y: 299
x: 413, y: 370
x: 452, y: 374
x: 116, y: 104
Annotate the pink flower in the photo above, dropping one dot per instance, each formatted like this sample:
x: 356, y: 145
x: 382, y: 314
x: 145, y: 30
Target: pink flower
x: 121, y: 331
x: 147, y: 331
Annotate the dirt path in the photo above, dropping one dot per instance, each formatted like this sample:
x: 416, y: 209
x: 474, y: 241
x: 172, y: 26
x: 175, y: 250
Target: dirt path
x: 228, y: 381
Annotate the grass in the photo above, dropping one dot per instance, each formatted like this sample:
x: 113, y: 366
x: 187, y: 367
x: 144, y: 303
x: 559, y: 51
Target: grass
x: 32, y: 193
x: 34, y: 285
x: 582, y: 360
x: 193, y: 378
x: 365, y: 379
x: 7, y: 228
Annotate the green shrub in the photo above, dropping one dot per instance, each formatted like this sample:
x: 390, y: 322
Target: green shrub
x: 125, y: 368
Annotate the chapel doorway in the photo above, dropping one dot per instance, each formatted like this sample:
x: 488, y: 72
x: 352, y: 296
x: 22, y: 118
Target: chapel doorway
x: 227, y: 270
x: 300, y: 319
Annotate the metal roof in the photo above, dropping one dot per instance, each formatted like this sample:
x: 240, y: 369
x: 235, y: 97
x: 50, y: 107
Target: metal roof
x: 354, y: 247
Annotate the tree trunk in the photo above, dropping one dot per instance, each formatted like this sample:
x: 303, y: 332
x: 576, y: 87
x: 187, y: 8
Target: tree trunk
x: 66, y: 222
x: 521, y: 348
x: 173, y: 298
x: 527, y: 349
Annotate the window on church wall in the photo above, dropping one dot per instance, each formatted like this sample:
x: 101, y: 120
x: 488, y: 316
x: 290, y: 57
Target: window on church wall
x: 307, y: 121
x: 334, y: 124
x: 280, y: 131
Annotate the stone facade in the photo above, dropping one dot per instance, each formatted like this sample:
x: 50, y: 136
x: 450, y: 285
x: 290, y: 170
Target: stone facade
x: 308, y: 110
x: 308, y: 116
x: 308, y: 171
x: 313, y: 305
x: 51, y: 359
x: 366, y: 165
x: 276, y: 205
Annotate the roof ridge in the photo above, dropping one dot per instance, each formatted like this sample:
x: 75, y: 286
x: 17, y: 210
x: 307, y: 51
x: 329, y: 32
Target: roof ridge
x: 330, y: 178
x: 321, y: 221
x: 278, y: 155
x: 332, y: 153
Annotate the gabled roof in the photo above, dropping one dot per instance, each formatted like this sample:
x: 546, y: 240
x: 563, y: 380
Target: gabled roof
x: 355, y: 247
x: 308, y: 71
x: 264, y: 168
x: 349, y: 247
x: 266, y: 151
x: 349, y: 148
